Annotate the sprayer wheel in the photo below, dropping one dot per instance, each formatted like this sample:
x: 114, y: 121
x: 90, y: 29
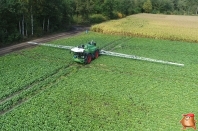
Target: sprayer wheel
x: 96, y: 54
x: 88, y: 60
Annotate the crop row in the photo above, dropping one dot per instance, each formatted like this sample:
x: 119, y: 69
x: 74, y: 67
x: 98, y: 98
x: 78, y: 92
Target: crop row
x: 104, y: 96
x: 35, y: 89
x: 27, y: 72
x: 68, y: 106
x: 113, y: 93
x: 19, y: 70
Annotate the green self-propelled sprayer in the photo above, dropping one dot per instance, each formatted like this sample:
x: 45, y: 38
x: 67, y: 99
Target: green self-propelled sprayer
x: 85, y: 53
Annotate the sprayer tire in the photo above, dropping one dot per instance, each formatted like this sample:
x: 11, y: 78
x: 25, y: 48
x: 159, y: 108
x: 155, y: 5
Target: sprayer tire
x: 88, y: 59
x: 96, y: 54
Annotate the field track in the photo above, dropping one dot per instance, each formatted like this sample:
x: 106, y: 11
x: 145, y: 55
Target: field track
x: 31, y: 90
x: 28, y: 88
x: 23, y: 45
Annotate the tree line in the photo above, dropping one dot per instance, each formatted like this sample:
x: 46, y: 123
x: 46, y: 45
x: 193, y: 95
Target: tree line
x: 23, y: 19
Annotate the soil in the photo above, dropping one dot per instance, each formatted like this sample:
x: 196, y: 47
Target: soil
x: 76, y: 30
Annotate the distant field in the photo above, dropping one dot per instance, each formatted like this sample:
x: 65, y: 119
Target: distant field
x: 171, y: 27
x: 46, y: 90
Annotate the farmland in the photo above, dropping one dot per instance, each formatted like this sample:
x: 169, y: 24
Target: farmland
x: 43, y: 89
x: 32, y: 69
x: 180, y: 28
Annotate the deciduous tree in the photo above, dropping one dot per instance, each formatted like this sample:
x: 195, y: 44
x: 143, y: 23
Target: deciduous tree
x: 147, y: 6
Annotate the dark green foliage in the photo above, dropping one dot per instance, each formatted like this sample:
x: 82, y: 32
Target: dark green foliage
x: 21, y: 19
x: 147, y: 6
x: 108, y: 7
x: 8, y: 22
x: 97, y: 18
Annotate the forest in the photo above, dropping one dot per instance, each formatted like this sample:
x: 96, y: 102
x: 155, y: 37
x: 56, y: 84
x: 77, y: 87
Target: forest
x: 25, y: 19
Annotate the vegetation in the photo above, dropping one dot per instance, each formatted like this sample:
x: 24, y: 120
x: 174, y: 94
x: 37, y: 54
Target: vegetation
x: 22, y: 19
x: 28, y: 72
x: 111, y: 93
x: 171, y: 27
x: 147, y: 6
x: 97, y: 18
x: 43, y: 89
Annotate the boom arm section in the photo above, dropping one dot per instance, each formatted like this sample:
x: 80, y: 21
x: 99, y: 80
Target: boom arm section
x: 103, y: 52
x: 52, y: 45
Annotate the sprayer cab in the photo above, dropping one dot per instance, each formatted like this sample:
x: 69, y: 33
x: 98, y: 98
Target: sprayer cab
x: 85, y: 53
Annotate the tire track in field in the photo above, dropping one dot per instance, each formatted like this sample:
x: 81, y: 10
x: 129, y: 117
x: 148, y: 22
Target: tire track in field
x: 125, y: 40
x: 32, y: 83
x: 8, y: 97
x: 31, y: 94
x: 112, y: 45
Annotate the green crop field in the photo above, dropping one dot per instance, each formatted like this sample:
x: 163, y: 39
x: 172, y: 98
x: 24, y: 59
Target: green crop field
x: 43, y: 89
x: 172, y: 27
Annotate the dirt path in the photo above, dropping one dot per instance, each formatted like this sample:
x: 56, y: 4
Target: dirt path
x: 17, y: 47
